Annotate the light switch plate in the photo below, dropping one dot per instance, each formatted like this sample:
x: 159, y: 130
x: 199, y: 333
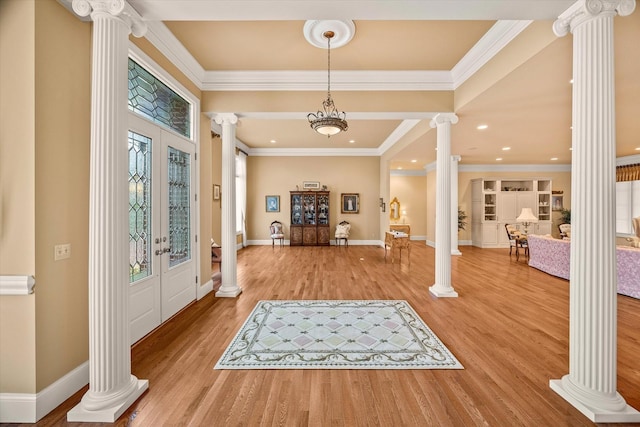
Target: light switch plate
x: 62, y: 251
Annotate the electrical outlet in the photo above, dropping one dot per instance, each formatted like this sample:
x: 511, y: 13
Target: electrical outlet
x: 62, y: 251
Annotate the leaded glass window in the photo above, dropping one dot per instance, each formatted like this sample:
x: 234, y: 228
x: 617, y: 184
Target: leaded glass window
x: 139, y: 207
x: 154, y: 100
x: 179, y: 177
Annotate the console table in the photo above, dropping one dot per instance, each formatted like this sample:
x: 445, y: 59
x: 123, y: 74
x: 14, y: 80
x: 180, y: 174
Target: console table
x: 392, y: 241
x: 404, y: 228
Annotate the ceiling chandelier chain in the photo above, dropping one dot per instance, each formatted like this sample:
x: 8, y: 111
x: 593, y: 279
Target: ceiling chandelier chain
x: 329, y: 121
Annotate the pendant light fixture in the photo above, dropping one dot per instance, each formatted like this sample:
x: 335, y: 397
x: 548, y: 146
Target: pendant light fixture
x: 328, y: 121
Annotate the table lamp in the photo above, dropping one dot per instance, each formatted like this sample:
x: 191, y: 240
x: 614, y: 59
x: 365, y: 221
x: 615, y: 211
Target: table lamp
x: 527, y: 218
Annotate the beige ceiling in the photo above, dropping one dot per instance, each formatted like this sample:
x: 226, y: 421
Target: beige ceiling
x: 527, y: 108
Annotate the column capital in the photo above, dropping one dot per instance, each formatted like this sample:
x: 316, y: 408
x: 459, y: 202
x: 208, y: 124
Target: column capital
x: 228, y: 118
x: 443, y: 118
x: 456, y: 157
x: 585, y: 10
x: 116, y: 8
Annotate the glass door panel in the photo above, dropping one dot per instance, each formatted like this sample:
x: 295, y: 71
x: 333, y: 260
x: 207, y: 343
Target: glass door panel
x: 140, y: 235
x: 179, y: 196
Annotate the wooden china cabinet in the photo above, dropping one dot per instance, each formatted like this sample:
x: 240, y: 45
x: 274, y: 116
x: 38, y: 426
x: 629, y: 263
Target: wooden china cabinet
x: 309, y: 218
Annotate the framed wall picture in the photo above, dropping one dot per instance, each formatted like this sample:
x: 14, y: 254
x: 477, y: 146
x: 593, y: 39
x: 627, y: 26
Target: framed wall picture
x: 556, y: 203
x: 216, y: 192
x: 350, y: 203
x: 272, y: 203
x: 311, y: 185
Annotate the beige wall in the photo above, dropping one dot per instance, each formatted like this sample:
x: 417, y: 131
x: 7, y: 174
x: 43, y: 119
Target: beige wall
x: 280, y: 175
x: 63, y: 105
x: 411, y: 192
x: 17, y: 192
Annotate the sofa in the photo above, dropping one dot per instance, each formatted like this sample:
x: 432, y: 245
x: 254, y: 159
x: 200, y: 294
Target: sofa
x: 553, y: 257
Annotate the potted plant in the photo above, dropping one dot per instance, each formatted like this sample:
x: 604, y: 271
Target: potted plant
x: 565, y: 216
x: 462, y: 216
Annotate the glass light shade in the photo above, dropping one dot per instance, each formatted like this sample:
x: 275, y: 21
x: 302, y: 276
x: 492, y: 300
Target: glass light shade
x: 527, y: 216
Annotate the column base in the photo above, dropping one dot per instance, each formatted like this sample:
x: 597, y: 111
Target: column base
x: 442, y: 292
x: 109, y: 415
x: 228, y: 291
x: 455, y: 252
x: 597, y: 415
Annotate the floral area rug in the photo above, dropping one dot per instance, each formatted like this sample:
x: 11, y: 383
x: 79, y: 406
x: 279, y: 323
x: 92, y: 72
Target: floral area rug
x: 336, y: 335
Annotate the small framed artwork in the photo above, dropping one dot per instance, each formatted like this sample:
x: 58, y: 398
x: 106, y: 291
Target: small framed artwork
x: 350, y: 203
x: 556, y: 203
x: 311, y: 185
x: 216, y: 192
x: 272, y: 203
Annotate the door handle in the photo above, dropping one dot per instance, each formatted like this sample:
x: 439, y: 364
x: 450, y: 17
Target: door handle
x: 165, y: 250
x: 158, y: 251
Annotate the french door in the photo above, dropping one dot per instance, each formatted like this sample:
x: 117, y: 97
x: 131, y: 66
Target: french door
x: 162, y: 266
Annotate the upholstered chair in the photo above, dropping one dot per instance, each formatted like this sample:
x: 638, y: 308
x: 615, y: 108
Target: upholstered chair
x: 635, y: 240
x: 342, y: 232
x: 565, y: 231
x: 277, y: 232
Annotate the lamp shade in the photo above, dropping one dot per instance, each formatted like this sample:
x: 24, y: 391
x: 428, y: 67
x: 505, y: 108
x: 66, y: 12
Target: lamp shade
x: 527, y: 216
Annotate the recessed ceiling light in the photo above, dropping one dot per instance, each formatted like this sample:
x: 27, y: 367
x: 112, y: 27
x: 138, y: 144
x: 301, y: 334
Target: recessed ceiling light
x: 571, y: 148
x: 273, y: 141
x: 498, y: 158
x: 399, y: 167
x: 637, y: 148
x: 352, y: 141
x: 571, y: 81
x: 554, y: 158
x: 482, y: 127
x: 506, y: 148
x: 413, y: 161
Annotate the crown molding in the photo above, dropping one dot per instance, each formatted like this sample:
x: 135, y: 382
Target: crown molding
x: 314, y: 152
x: 628, y: 160
x: 514, y: 168
x: 498, y: 36
x: 164, y: 40
x: 341, y: 80
x: 411, y: 172
x: 402, y: 129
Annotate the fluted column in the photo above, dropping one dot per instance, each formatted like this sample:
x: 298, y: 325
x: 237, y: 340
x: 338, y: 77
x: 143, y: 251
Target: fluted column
x: 442, y: 286
x: 590, y: 385
x: 229, y: 286
x: 454, y: 204
x: 112, y: 388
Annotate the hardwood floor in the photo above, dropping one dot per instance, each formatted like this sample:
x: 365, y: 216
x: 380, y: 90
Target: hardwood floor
x: 509, y: 328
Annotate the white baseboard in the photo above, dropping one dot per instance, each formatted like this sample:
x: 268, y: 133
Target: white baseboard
x: 331, y: 242
x: 204, y: 289
x: 30, y: 408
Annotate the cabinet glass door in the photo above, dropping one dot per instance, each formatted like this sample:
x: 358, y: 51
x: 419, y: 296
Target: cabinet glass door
x: 323, y: 209
x: 309, y: 209
x: 296, y: 209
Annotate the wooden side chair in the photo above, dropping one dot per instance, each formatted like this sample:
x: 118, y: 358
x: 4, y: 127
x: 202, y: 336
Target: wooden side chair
x: 277, y: 232
x: 516, y: 240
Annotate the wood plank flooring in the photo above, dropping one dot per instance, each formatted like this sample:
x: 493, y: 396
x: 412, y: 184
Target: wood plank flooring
x: 509, y: 328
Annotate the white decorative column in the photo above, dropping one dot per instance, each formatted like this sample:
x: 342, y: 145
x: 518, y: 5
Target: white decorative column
x: 112, y: 388
x: 590, y: 385
x: 229, y: 286
x: 454, y: 204
x: 442, y: 287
